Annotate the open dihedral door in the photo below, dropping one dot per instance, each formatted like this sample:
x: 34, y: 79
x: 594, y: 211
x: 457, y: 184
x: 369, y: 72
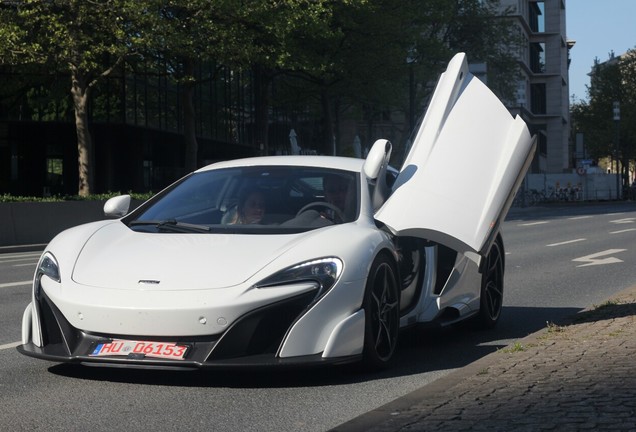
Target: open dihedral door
x: 467, y: 160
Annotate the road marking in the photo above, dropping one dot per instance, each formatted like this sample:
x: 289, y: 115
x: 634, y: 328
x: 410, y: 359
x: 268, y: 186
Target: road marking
x: 595, y: 259
x: 12, y: 284
x: 580, y: 217
x: 623, y: 231
x: 18, y: 255
x: 25, y: 264
x: 624, y: 221
x: 9, y: 258
x: 534, y: 223
x: 12, y: 260
x: 10, y: 345
x: 566, y: 242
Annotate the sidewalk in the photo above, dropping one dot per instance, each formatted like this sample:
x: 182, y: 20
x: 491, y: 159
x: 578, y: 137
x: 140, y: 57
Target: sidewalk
x: 580, y: 376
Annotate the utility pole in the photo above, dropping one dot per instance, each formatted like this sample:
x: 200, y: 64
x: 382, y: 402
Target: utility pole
x: 617, y: 119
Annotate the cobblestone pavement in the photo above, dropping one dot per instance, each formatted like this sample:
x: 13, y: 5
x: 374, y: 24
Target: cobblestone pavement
x: 575, y: 377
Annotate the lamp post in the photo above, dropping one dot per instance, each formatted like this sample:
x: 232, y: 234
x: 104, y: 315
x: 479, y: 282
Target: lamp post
x: 617, y: 119
x: 410, y: 61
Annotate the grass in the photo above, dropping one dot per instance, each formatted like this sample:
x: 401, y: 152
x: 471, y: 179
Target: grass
x: 610, y: 309
x: 6, y: 198
x: 554, y: 328
x: 515, y: 347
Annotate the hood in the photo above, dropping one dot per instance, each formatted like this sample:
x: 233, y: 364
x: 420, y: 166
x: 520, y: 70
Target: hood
x: 117, y: 257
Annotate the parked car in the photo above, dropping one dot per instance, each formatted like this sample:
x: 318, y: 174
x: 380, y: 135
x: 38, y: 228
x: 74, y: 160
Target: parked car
x: 293, y: 259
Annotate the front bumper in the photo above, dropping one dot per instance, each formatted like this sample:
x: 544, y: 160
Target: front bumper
x: 252, y: 341
x: 250, y: 361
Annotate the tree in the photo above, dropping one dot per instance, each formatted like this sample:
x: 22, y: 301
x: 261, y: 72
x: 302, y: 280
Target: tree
x: 293, y: 38
x: 187, y: 34
x: 481, y: 29
x: 354, y: 57
x: 368, y: 57
x: 611, y: 81
x: 381, y: 56
x: 85, y: 40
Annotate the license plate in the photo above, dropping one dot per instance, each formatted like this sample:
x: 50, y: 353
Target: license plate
x: 117, y: 347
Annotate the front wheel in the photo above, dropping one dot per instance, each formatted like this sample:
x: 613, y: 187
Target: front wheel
x: 382, y: 313
x: 492, y: 287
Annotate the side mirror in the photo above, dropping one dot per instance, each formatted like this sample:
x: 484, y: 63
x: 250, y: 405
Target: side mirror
x: 377, y: 159
x: 117, y: 207
x: 375, y: 169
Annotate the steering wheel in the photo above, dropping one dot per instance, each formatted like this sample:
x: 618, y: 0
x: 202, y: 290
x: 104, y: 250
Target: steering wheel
x: 338, y: 215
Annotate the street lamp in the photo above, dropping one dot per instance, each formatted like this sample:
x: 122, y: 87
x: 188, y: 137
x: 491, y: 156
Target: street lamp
x: 617, y: 119
x: 411, y: 59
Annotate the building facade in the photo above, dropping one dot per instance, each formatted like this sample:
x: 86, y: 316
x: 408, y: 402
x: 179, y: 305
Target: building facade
x: 543, y: 88
x: 137, y: 122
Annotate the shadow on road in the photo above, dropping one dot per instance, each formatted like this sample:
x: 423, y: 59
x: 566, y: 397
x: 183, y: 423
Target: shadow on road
x: 606, y: 311
x: 420, y: 350
x: 576, y: 376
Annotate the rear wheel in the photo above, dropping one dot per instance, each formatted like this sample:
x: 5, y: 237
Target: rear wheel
x: 382, y: 313
x: 492, y: 287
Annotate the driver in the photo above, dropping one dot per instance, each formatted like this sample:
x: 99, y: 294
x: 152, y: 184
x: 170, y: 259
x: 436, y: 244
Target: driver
x: 250, y: 209
x: 336, y: 190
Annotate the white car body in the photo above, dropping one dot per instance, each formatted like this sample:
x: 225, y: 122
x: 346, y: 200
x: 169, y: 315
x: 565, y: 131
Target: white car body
x: 213, y: 292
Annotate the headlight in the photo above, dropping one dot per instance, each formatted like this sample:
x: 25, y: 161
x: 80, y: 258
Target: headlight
x: 324, y: 271
x: 47, y: 266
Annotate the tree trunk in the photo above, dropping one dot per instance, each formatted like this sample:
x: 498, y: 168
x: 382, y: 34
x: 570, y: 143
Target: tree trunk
x: 79, y: 92
x: 625, y: 173
x: 329, y: 146
x: 262, y: 81
x: 189, y: 125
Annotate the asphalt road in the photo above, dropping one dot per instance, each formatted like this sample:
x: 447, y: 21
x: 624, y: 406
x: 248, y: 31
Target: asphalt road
x: 559, y: 261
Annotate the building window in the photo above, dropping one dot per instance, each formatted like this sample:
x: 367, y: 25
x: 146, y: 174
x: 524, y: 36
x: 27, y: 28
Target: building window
x: 521, y: 93
x: 542, y: 143
x: 538, y: 98
x: 54, y: 176
x: 537, y: 17
x: 537, y: 57
x: 147, y: 174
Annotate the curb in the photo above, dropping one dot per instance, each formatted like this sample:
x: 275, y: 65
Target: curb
x: 405, y: 412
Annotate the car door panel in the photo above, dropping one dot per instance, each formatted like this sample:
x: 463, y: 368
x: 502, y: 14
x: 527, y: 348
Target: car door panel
x: 467, y: 160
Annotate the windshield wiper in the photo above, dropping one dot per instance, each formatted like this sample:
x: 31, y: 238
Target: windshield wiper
x: 173, y: 225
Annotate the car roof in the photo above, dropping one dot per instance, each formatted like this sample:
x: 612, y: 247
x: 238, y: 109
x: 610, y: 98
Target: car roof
x: 335, y: 162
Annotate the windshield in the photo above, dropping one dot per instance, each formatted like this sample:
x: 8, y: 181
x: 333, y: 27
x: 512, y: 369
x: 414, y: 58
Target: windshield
x: 260, y: 199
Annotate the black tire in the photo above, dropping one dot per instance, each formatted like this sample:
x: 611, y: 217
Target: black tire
x: 492, y: 287
x: 382, y: 313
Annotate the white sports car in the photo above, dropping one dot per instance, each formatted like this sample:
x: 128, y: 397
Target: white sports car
x: 293, y: 259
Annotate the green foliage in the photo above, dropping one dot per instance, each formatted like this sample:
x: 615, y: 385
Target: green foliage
x: 612, y: 81
x: 70, y: 34
x: 6, y: 198
x: 35, y: 94
x: 84, y: 41
x: 514, y: 348
x: 370, y: 58
x: 366, y: 59
x: 356, y: 48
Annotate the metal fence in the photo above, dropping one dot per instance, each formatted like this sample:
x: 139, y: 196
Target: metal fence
x: 550, y: 188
